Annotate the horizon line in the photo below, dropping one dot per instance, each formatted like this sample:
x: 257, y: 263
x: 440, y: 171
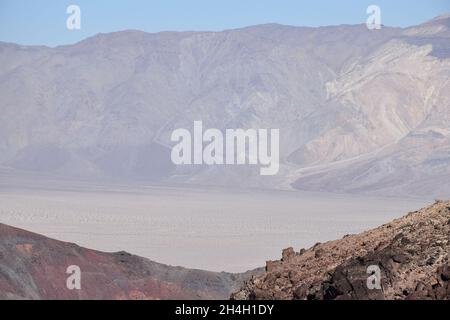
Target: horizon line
x: 436, y: 18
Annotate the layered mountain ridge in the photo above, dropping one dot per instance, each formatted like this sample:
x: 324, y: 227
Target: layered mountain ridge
x: 359, y: 110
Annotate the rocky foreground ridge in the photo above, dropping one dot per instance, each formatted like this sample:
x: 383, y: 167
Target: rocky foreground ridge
x: 412, y: 254
x: 34, y: 267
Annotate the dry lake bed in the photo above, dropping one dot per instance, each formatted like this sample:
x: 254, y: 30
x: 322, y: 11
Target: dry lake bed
x: 210, y: 229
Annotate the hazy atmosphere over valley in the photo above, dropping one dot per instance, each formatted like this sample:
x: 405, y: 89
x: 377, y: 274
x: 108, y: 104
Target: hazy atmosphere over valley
x: 359, y: 110
x: 86, y: 154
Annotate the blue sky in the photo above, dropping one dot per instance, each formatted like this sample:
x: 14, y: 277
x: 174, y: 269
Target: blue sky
x: 43, y: 22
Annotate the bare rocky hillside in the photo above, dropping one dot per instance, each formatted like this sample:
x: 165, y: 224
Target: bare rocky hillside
x: 34, y: 267
x: 361, y: 111
x: 412, y: 254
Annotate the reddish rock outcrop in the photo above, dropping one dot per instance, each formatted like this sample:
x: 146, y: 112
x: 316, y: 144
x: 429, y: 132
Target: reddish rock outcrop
x: 34, y: 267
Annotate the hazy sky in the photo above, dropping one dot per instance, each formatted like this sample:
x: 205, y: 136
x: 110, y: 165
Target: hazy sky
x: 44, y: 21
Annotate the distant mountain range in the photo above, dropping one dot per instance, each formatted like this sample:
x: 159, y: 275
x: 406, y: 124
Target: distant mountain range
x: 365, y: 111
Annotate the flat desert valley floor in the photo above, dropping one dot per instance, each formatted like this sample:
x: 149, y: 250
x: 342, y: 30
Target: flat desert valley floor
x: 209, y: 229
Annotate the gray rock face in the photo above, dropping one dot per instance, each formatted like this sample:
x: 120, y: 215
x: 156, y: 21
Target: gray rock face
x: 358, y: 110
